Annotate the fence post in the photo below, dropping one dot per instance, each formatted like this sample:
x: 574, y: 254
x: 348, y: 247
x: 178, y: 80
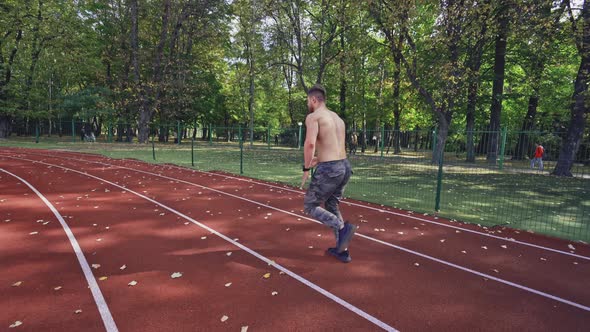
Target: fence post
x: 73, y: 131
x: 153, y: 145
x: 37, y: 132
x: 241, y: 151
x: 382, y: 139
x: 502, y: 148
x: 210, y: 135
x: 193, y: 151
x: 268, y: 136
x: 434, y: 138
x: 439, y: 182
x: 178, y: 134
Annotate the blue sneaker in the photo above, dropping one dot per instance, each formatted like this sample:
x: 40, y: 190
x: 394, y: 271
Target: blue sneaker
x: 344, y: 256
x: 344, y: 236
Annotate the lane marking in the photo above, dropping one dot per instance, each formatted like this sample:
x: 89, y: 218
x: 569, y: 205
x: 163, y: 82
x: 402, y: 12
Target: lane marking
x: 357, y: 205
x: 462, y: 268
x: 103, y: 308
x: 297, y: 277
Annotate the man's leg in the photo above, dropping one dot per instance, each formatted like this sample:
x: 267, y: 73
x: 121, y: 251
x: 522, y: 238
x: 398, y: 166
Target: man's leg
x: 322, y: 187
x: 541, y: 164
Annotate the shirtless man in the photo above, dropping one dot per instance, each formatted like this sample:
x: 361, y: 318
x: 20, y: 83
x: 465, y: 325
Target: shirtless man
x: 325, y: 134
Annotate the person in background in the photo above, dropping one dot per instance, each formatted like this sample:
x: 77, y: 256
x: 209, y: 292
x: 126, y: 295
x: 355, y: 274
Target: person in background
x: 538, y: 156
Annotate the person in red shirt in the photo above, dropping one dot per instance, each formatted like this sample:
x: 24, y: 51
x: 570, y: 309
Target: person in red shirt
x: 538, y: 157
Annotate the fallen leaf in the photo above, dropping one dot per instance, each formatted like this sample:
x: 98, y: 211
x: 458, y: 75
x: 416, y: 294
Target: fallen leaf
x: 484, y: 247
x: 417, y: 264
x: 281, y: 272
x: 464, y: 251
x: 442, y: 240
x: 543, y: 259
x: 132, y: 283
x: 571, y: 247
x: 224, y: 318
x: 103, y: 278
x: 274, y: 293
x: 98, y: 240
x: 33, y: 233
x: 79, y: 311
x: 57, y: 288
x: 203, y: 237
x: 176, y: 275
x: 504, y: 246
x: 123, y: 267
x: 95, y: 266
x: 16, y: 284
x: 16, y: 324
x: 244, y: 329
x: 228, y: 284
x: 310, y: 247
x: 228, y: 253
x: 266, y: 275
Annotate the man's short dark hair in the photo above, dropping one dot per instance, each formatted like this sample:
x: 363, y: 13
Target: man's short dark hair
x: 318, y: 92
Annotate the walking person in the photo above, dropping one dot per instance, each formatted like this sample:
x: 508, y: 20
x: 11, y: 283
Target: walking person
x: 325, y: 135
x: 353, y: 143
x: 538, y: 157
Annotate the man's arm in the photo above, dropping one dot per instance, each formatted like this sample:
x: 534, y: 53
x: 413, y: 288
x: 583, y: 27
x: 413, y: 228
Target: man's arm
x: 311, y: 135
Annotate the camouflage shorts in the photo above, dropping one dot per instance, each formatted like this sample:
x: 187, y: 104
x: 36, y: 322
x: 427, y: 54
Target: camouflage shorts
x: 327, y: 186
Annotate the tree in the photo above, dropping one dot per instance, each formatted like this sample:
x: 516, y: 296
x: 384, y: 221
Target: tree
x: 579, y: 106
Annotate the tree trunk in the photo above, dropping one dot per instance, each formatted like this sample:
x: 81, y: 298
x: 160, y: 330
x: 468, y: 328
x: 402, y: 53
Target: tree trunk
x: 444, y: 122
x: 522, y: 145
x: 580, y: 107
x: 5, y: 125
x: 470, y: 119
x: 498, y: 84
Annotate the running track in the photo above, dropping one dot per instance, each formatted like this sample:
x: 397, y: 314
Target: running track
x: 409, y: 272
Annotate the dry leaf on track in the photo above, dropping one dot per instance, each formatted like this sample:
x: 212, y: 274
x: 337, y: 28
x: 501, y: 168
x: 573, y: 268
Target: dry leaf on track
x: 103, y: 278
x: 176, y: 275
x: 266, y: 275
x: 275, y: 293
x: 33, y: 233
x: 57, y: 288
x: 244, y: 329
x: 132, y: 283
x: 16, y: 324
x: 16, y: 284
x: 79, y: 311
x: 95, y: 266
x: 123, y: 267
x: 228, y: 284
x: 224, y: 318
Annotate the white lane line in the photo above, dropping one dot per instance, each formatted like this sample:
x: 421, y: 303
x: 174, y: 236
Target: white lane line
x: 364, y: 206
x: 103, y: 308
x: 299, y: 278
x: 462, y: 268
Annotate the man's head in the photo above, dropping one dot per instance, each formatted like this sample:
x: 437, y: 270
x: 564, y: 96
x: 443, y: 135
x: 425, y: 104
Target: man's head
x: 316, y: 97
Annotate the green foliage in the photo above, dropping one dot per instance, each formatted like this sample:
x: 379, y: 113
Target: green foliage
x: 83, y: 67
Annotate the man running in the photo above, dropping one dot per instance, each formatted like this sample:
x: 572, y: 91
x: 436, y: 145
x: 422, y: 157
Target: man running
x: 325, y: 134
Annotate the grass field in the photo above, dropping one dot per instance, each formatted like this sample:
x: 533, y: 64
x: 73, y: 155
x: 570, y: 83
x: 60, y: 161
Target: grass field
x: 514, y: 197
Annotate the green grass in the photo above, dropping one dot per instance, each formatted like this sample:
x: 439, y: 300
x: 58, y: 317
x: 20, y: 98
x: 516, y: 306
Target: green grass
x: 478, y: 194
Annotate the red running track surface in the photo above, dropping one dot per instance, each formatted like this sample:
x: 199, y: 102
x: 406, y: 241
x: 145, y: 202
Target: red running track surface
x: 413, y: 276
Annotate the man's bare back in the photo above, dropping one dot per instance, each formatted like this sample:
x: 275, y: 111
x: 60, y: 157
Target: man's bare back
x: 330, y: 142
